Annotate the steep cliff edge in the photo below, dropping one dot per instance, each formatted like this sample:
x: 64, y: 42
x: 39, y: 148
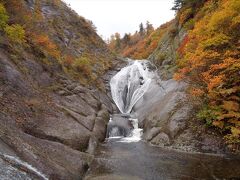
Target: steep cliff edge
x: 52, y: 115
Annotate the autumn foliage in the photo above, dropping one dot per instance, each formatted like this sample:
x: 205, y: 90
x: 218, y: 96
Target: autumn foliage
x: 209, y: 58
x: 47, y: 45
x: 140, y: 44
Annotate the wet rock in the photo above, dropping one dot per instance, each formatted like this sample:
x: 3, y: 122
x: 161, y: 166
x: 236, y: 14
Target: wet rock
x: 161, y: 139
x: 152, y: 133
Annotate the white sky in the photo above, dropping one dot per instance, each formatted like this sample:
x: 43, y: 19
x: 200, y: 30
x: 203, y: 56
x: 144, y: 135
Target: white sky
x: 123, y: 16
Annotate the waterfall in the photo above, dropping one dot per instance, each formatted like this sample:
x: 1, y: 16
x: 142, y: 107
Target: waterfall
x: 130, y: 84
x: 127, y: 87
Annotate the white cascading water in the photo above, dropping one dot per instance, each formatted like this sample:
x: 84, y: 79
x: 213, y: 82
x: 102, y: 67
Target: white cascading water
x: 127, y: 87
x: 130, y: 84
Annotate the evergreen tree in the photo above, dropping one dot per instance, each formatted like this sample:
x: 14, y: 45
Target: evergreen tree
x: 149, y: 27
x: 141, y: 29
x: 177, y: 4
x: 126, y: 39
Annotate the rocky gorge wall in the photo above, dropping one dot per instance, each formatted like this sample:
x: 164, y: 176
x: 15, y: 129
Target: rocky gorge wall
x: 54, y: 130
x: 49, y: 119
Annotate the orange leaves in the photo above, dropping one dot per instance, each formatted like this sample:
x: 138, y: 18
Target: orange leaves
x: 68, y: 60
x: 181, y: 48
x: 209, y: 59
x: 219, y: 124
x: 231, y: 105
x: 215, y: 82
x: 181, y: 73
x: 196, y: 92
x: 137, y: 45
x: 44, y: 42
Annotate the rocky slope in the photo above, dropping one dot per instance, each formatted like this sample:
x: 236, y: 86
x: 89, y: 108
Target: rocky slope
x: 49, y: 119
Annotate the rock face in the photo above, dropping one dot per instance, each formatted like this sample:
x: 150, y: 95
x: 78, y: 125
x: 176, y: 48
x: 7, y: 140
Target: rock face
x: 164, y: 56
x: 52, y: 127
x: 166, y: 115
x: 48, y: 119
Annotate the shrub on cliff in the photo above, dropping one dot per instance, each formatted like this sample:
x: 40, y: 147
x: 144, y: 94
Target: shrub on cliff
x: 209, y: 60
x: 82, y: 65
x: 3, y: 17
x: 15, y: 33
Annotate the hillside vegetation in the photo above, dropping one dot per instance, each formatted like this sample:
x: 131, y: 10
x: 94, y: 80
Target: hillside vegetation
x: 56, y: 37
x: 208, y: 58
x: 140, y: 44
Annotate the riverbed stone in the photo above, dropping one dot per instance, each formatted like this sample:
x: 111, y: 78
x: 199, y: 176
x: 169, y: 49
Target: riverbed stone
x: 161, y: 139
x: 152, y: 133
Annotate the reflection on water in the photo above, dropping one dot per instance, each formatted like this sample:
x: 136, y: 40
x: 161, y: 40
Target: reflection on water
x: 138, y: 160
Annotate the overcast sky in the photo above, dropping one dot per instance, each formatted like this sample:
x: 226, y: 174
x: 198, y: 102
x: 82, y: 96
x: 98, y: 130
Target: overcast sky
x: 123, y: 16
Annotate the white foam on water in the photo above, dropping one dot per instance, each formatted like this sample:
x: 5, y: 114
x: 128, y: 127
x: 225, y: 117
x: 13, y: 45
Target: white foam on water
x: 136, y: 133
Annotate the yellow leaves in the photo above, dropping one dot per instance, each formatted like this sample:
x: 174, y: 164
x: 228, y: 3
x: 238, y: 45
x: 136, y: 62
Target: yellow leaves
x: 234, y: 5
x: 83, y: 65
x: 235, y: 122
x: 222, y: 18
x: 217, y: 41
x: 3, y: 17
x: 230, y: 105
x: 236, y: 21
x: 210, y: 61
x: 15, y: 33
x: 185, y: 15
x: 219, y: 19
x: 235, y: 131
